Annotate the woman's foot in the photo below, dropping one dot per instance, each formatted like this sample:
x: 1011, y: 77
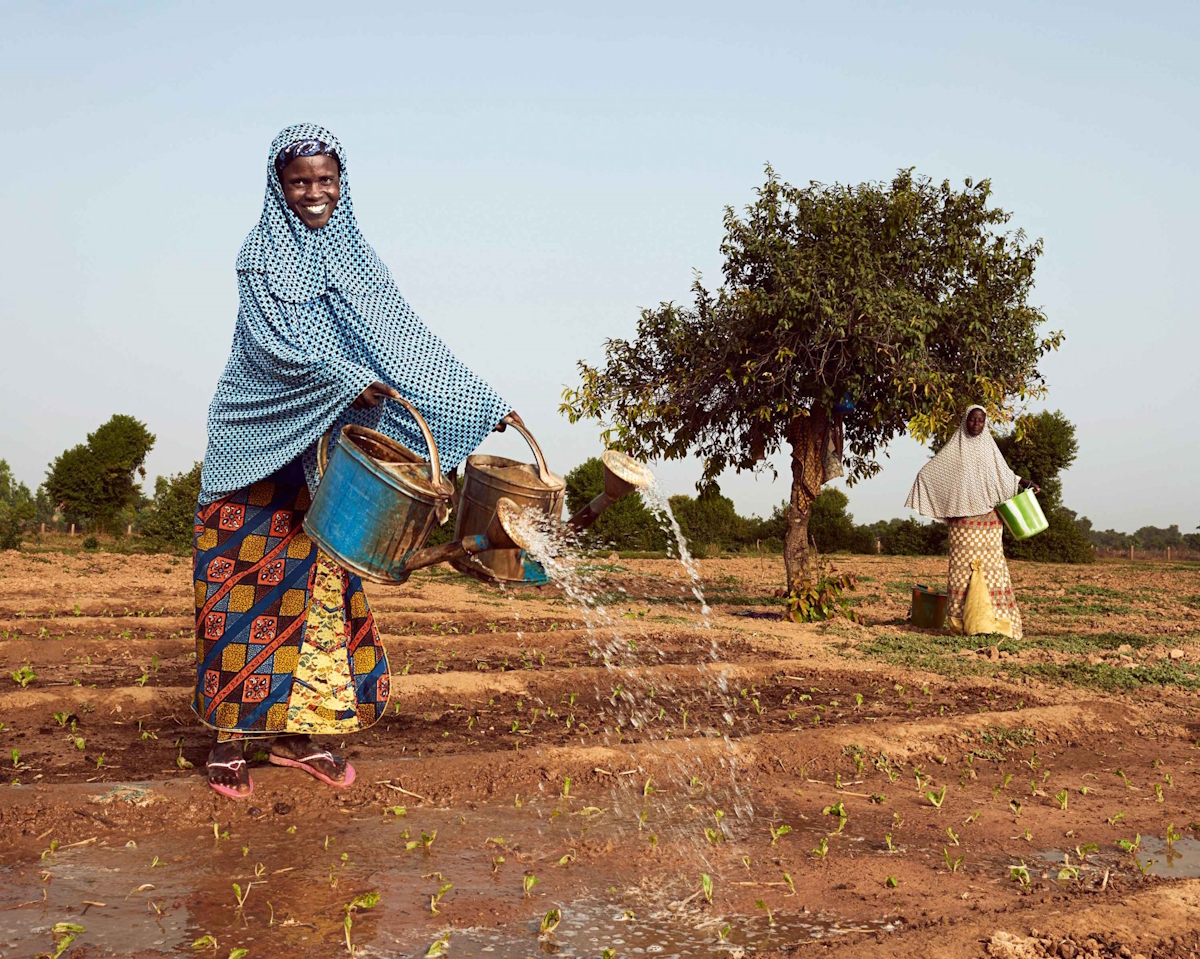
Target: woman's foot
x: 227, y: 771
x: 302, y: 752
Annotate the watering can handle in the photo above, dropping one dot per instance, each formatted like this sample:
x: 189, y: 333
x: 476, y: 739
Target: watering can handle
x: 426, y: 434
x: 543, y: 471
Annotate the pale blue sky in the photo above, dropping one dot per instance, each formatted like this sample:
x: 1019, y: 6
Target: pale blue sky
x: 533, y: 174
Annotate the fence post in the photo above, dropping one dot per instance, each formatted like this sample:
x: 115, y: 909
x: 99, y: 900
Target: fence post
x: 43, y: 529
x: 72, y: 533
x: 878, y: 545
x: 1168, y: 554
x: 1131, y: 552
x: 129, y: 530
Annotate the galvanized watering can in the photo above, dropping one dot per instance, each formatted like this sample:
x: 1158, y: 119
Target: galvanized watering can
x: 489, y: 481
x: 377, y: 501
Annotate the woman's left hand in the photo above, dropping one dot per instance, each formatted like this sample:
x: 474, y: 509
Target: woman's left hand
x: 511, y: 417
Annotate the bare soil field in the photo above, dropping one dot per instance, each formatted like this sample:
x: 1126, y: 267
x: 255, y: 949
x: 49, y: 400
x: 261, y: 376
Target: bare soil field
x: 672, y: 785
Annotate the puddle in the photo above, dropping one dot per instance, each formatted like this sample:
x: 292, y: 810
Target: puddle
x: 589, y: 928
x: 158, y: 894
x: 1179, y: 860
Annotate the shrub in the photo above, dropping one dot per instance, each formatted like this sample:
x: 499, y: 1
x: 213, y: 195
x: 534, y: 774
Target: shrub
x: 170, y: 518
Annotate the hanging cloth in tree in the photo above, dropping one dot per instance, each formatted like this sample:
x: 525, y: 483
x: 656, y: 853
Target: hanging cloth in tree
x: 320, y: 320
x: 816, y: 442
x: 968, y: 477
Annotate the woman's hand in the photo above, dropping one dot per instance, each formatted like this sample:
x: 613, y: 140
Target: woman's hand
x: 373, y: 395
x: 1030, y: 484
x: 511, y: 417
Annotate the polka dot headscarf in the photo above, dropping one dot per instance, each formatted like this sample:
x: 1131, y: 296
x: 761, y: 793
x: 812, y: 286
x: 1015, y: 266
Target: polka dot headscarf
x: 320, y: 320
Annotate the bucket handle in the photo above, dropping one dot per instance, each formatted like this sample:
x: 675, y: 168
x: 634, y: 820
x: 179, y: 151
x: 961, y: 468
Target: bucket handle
x: 543, y: 471
x: 426, y: 434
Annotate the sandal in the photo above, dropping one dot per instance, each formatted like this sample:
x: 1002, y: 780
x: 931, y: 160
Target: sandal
x: 305, y: 762
x: 235, y: 766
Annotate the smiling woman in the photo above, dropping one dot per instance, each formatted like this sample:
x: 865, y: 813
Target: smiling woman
x: 286, y: 645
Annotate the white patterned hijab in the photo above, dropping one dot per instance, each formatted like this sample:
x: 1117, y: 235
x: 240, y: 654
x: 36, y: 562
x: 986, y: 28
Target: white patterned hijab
x: 968, y: 477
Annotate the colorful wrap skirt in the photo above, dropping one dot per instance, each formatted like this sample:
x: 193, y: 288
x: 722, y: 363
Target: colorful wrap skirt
x: 980, y: 538
x: 285, y: 640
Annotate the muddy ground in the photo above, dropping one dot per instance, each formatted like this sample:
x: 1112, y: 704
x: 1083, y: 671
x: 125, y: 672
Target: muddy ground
x: 673, y: 786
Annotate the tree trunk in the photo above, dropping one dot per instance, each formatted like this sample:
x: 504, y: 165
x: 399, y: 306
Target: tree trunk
x: 804, y: 433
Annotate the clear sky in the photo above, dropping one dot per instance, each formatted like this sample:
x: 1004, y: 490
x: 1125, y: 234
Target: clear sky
x: 534, y: 174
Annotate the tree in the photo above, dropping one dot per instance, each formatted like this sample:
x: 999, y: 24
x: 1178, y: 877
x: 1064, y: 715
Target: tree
x: 169, y: 519
x: 626, y: 524
x: 1039, y: 448
x: 17, y: 508
x: 708, y: 520
x: 880, y: 307
x: 93, y: 482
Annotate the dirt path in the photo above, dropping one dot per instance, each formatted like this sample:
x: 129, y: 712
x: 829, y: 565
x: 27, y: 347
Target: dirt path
x: 673, y: 787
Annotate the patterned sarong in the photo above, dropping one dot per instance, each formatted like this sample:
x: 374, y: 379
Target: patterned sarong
x: 285, y: 641
x: 980, y: 538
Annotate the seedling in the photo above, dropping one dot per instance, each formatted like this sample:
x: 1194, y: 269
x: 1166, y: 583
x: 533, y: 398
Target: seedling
x: 837, y: 809
x: 1061, y: 797
x: 61, y: 718
x: 952, y: 834
x: 1019, y: 874
x: 706, y: 884
x: 759, y: 904
x: 1158, y: 793
x: 550, y: 922
x: 891, y: 882
x: 566, y: 789
x: 23, y: 676
x: 951, y: 864
x: 1172, y: 835
x: 822, y: 848
x: 888, y: 839
x: 395, y: 811
x: 528, y: 881
x: 368, y: 900
x: 240, y: 895
x: 205, y: 942
x: 1015, y: 806
x: 1131, y: 847
x: 777, y: 834
x: 791, y: 885
x: 1113, y: 820
x: 437, y: 898
x: 936, y: 797
x: 1125, y: 779
x: 64, y: 933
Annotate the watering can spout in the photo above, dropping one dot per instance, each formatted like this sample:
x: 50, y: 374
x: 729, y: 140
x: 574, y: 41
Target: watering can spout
x: 498, y: 536
x: 622, y: 475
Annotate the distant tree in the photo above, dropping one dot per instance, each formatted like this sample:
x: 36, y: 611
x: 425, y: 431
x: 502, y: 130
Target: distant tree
x: 1156, y: 538
x: 168, y: 519
x: 1040, y: 448
x: 832, y: 529
x: 910, y: 537
x: 901, y: 297
x: 94, y: 482
x: 710, y: 520
x: 18, y: 508
x: 627, y: 524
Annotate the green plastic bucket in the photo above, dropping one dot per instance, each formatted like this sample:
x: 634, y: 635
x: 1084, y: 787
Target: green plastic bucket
x: 1022, y: 515
x: 928, y: 608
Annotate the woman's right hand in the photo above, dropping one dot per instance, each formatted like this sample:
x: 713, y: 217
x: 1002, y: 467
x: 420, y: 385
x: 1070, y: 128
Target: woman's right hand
x: 373, y: 395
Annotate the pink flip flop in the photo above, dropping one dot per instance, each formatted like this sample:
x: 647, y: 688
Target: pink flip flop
x: 312, y: 770
x: 229, y: 791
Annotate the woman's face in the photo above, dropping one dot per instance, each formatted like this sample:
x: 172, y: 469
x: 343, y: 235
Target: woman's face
x: 976, y: 421
x: 311, y: 187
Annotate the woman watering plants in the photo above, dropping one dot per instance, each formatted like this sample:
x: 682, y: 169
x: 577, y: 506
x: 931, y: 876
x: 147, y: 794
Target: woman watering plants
x: 286, y: 646
x: 961, y: 485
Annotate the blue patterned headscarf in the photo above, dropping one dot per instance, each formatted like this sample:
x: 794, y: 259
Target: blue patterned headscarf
x: 320, y: 320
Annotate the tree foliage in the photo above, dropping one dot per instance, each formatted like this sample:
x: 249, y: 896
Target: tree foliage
x: 1040, y: 448
x: 94, y: 481
x: 18, y: 508
x: 169, y: 519
x: 626, y: 524
x: 908, y: 299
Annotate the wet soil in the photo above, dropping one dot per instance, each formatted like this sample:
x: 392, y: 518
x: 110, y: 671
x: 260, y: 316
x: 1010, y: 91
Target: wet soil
x: 671, y: 786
